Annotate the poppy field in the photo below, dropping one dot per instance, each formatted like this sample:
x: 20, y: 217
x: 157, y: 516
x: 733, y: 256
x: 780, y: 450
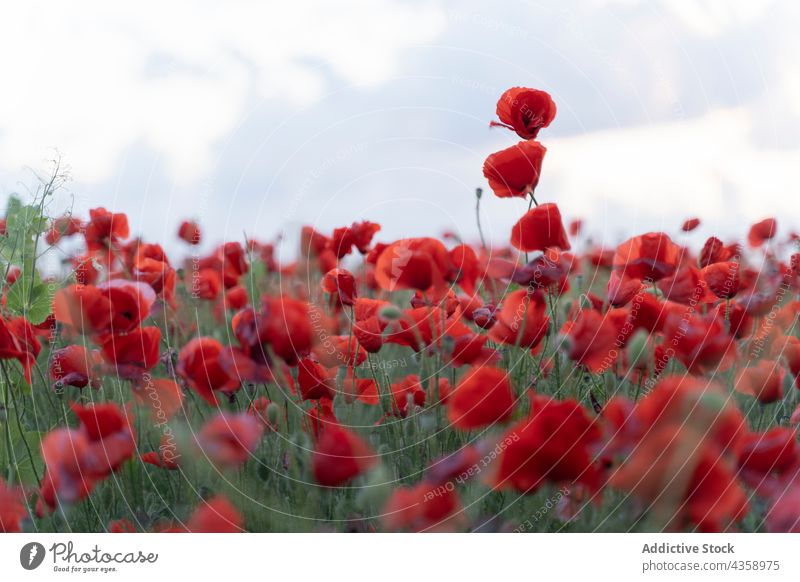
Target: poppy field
x: 541, y: 383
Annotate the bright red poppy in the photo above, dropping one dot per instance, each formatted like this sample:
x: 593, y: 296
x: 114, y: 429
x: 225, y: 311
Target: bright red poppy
x: 539, y: 229
x: 515, y: 171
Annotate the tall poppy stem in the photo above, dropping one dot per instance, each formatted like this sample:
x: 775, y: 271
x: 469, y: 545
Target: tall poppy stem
x: 478, y: 195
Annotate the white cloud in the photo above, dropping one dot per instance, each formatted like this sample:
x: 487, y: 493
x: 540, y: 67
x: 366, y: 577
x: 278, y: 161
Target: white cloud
x: 92, y: 77
x: 708, y: 166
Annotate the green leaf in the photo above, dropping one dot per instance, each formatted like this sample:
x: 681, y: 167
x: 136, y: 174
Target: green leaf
x: 30, y: 297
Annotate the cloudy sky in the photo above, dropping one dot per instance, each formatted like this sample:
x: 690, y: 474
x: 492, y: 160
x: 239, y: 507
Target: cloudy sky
x: 258, y: 117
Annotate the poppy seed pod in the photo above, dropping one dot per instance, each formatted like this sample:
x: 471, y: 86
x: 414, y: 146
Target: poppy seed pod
x: 390, y: 313
x: 636, y: 351
x: 273, y: 411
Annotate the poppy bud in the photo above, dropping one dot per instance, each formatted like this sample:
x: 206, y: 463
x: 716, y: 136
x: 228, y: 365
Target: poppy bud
x: 637, y: 352
x: 273, y: 411
x: 390, y: 313
x: 478, y: 193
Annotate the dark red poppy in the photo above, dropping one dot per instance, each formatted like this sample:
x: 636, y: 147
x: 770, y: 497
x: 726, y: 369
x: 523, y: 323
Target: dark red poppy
x: 515, y: 171
x: 18, y: 341
x: 198, y: 364
x: 189, y: 231
x: 288, y: 328
x: 686, y: 286
x: 133, y: 353
x: 63, y: 226
x: 651, y: 256
x: 482, y: 397
x: 690, y: 224
x: 723, y: 279
x: 540, y: 228
x: 315, y: 380
x: 552, y: 445
x: 425, y: 507
x: 340, y: 456
x: 762, y: 231
x: 236, y: 298
x: 525, y: 111
x: 75, y: 366
x: 116, y: 306
x: 699, y: 342
x: 340, y: 285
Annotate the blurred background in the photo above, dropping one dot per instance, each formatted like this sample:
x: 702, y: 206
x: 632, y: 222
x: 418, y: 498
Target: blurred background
x: 258, y: 117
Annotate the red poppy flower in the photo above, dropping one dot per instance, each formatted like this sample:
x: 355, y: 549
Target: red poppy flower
x: 525, y: 111
x: 762, y: 231
x: 61, y: 227
x: 552, y: 445
x: 621, y: 288
x: 64, y: 481
x: 407, y: 391
x: 162, y: 396
x: 413, y: 263
x: 105, y: 227
x: 230, y: 439
x: 482, y: 397
x: 592, y: 340
x: 116, y: 306
x: 18, y: 341
x: 12, y: 508
x: 167, y: 455
x: 521, y: 320
x: 685, y: 286
x: 784, y: 514
x: 217, y: 515
x: 110, y: 437
x: 699, y: 342
x: 467, y: 269
x: 121, y: 526
x: 425, y: 507
x: 198, y: 364
x: 133, y: 353
x: 362, y: 389
x: 189, y: 231
x: 769, y: 461
x: 236, y: 298
x: 713, y: 251
x: 763, y: 380
x: 515, y: 171
x: 340, y: 456
x: 340, y: 350
x: 723, y: 279
x: 707, y: 403
x: 288, y: 328
x: 650, y: 256
x: 315, y: 380
x: 539, y: 229
x: 709, y: 496
x: 340, y: 285
x: 75, y: 366
x: 690, y: 224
